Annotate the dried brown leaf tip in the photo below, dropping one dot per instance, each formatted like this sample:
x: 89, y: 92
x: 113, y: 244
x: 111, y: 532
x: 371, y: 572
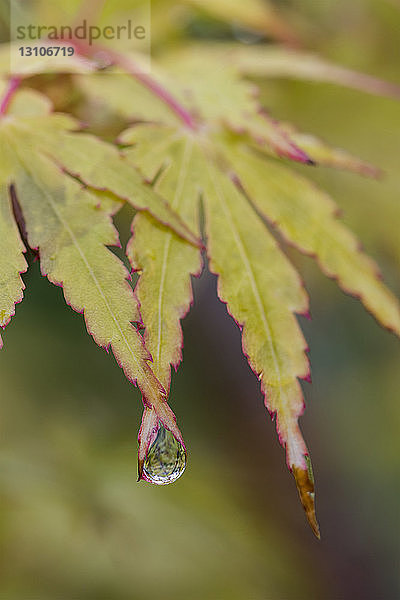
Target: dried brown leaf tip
x: 305, y: 485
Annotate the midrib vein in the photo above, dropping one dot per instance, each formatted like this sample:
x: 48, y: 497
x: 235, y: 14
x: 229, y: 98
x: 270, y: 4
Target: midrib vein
x: 92, y: 274
x: 174, y: 205
x: 242, y: 250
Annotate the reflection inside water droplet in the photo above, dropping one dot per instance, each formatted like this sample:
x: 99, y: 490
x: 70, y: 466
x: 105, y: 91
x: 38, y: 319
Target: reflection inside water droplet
x: 166, y: 459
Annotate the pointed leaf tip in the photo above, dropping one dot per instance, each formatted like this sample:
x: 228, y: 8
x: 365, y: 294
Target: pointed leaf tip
x: 305, y: 485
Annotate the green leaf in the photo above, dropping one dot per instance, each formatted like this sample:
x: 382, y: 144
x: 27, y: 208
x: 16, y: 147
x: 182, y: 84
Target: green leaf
x: 71, y: 227
x: 208, y: 81
x: 12, y: 261
x: 269, y: 61
x: 232, y: 100
x: 275, y: 138
x: 27, y: 103
x: 262, y: 290
x: 219, y: 94
x: 164, y: 288
x: 323, y: 154
x: 165, y: 265
x: 71, y: 232
x: 306, y: 218
x: 96, y: 163
x: 125, y: 96
x: 260, y: 299
x: 211, y: 142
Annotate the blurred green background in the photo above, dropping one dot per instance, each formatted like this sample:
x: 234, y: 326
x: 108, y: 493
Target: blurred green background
x: 73, y: 521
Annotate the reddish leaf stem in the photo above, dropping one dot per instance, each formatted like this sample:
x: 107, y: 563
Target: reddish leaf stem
x: 154, y: 86
x: 133, y: 69
x: 11, y: 89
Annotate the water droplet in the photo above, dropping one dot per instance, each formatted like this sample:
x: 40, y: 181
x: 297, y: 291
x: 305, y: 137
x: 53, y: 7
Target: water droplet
x: 166, y: 459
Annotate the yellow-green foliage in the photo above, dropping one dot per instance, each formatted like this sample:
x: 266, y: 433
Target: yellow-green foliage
x: 206, y: 144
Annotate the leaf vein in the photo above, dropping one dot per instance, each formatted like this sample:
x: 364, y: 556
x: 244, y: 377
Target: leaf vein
x: 83, y: 257
x: 175, y: 203
x: 251, y: 275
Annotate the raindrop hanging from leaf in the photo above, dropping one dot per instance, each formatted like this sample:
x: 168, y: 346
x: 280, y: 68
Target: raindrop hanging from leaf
x: 166, y: 459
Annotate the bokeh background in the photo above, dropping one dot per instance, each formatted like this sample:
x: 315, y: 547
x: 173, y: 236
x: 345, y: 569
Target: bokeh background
x: 73, y: 521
